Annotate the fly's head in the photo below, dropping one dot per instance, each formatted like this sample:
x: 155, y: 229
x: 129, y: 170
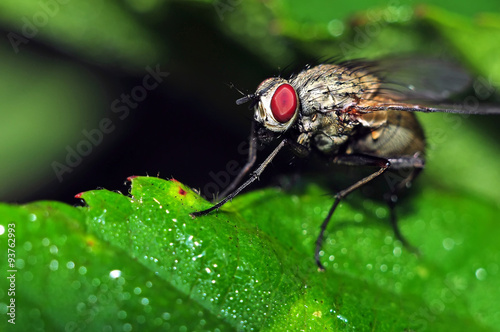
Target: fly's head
x: 276, y: 105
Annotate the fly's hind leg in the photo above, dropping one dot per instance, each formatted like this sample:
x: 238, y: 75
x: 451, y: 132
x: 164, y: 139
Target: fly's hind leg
x: 351, y: 160
x: 407, y: 169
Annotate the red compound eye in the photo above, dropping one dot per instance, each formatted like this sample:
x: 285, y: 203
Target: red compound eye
x: 284, y: 103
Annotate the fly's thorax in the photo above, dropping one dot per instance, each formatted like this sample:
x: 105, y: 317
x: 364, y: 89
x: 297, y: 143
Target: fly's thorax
x: 327, y: 130
x: 278, y: 104
x: 326, y: 92
x: 332, y: 87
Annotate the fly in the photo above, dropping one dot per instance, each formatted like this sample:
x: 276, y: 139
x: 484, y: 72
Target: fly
x: 356, y: 113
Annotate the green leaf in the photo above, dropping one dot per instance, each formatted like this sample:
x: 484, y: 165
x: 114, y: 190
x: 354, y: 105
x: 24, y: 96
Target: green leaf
x: 142, y: 263
x: 68, y: 279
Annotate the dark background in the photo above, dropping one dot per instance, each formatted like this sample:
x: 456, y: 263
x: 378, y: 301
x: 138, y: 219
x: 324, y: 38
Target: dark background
x: 189, y: 126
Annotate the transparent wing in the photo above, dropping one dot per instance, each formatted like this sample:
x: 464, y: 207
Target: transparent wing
x: 420, y: 85
x: 425, y: 79
x: 460, y: 109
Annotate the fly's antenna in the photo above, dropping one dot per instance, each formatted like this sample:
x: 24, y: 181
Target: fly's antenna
x: 247, y: 97
x: 251, y: 97
x: 232, y: 86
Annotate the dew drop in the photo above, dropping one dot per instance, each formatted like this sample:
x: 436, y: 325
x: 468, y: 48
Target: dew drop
x: 381, y: 213
x: 481, y: 274
x: 335, y: 27
x: 80, y: 307
x: 20, y: 263
x: 448, y: 243
x: 27, y: 246
x: 120, y: 281
x: 115, y: 274
x: 54, y: 265
x: 53, y: 249
x: 92, y: 299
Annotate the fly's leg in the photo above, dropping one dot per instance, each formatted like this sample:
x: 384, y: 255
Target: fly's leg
x: 297, y: 148
x: 416, y: 165
x: 351, y: 160
x: 252, y: 157
x: 255, y: 176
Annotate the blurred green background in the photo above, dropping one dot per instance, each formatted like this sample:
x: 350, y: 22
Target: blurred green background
x: 67, y: 65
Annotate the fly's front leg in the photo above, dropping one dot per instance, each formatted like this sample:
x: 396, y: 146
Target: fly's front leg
x: 252, y: 157
x: 297, y: 148
x: 351, y: 160
x: 255, y: 175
